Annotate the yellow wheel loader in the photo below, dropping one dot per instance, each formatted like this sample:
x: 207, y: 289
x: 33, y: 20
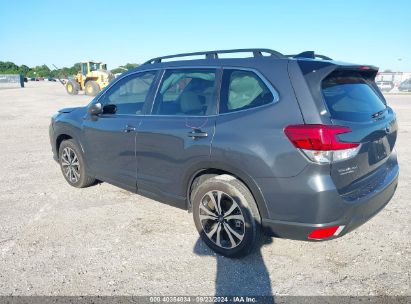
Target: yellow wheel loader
x: 92, y: 78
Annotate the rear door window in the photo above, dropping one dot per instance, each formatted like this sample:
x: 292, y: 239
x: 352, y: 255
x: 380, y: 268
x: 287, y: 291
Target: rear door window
x: 189, y: 92
x: 244, y: 90
x: 351, y: 97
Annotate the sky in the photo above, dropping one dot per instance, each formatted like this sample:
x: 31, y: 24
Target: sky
x: 376, y: 32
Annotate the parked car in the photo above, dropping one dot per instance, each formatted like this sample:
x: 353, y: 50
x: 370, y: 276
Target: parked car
x: 292, y: 146
x: 51, y: 79
x: 385, y: 86
x: 405, y: 85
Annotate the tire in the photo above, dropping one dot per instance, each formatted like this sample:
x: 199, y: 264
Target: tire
x: 72, y: 87
x: 91, y: 88
x: 72, y: 165
x: 238, y: 223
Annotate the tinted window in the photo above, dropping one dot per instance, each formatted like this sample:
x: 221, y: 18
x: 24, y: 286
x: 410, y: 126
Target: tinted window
x: 186, y: 92
x: 243, y: 90
x: 130, y: 93
x: 349, y: 96
x: 94, y: 66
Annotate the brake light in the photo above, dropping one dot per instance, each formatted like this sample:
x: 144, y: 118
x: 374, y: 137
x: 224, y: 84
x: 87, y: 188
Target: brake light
x: 320, y: 142
x: 364, y: 68
x: 318, y: 137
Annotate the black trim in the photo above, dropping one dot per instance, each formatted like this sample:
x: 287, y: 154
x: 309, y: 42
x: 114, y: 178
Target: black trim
x: 214, y: 54
x: 310, y: 55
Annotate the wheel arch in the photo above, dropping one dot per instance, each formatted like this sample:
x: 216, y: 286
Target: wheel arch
x: 60, y: 138
x: 65, y: 133
x: 214, y: 169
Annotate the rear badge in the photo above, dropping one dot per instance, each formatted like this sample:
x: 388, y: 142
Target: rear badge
x: 348, y: 170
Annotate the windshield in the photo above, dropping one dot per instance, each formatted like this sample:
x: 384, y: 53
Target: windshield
x: 351, y: 97
x: 94, y: 66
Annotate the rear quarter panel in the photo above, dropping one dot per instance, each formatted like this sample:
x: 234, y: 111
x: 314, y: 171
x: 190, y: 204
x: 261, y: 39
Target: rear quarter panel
x: 253, y: 140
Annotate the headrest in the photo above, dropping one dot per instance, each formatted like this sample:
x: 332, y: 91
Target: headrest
x: 191, y: 102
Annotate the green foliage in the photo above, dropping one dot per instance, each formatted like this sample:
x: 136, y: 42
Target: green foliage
x: 41, y: 71
x: 124, y: 68
x: 38, y: 71
x: 66, y: 72
x: 7, y: 67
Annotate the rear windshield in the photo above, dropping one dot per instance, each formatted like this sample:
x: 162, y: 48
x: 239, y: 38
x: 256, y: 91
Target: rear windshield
x: 351, y: 97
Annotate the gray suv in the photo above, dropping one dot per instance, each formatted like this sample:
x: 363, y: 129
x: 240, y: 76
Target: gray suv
x: 295, y: 146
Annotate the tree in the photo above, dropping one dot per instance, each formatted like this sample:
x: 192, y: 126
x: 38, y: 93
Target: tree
x: 24, y: 69
x: 42, y: 71
x: 124, y: 68
x: 7, y: 67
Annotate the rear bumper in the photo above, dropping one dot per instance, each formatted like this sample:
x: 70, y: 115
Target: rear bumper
x: 360, y: 214
x: 350, y: 214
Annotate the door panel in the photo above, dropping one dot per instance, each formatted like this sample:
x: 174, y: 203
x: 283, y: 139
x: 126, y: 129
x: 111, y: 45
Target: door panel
x: 110, y: 150
x: 110, y: 138
x: 178, y: 134
x: 166, y: 150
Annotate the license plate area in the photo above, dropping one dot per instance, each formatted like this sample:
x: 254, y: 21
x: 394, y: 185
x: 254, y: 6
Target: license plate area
x: 379, y: 150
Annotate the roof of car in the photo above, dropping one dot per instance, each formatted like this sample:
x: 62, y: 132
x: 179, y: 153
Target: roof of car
x: 259, y: 57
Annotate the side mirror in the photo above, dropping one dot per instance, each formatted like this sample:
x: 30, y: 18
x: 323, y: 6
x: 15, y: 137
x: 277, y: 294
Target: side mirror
x: 110, y: 109
x: 95, y: 109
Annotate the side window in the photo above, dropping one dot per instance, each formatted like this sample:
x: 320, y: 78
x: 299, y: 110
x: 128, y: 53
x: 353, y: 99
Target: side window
x: 187, y: 92
x: 243, y: 90
x: 129, y: 94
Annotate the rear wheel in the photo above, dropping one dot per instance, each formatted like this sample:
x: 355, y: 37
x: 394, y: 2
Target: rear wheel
x: 72, y: 87
x: 72, y: 165
x: 91, y: 88
x: 226, y: 216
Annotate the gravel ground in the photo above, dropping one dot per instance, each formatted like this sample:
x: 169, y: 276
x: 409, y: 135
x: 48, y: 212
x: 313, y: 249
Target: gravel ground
x: 58, y: 240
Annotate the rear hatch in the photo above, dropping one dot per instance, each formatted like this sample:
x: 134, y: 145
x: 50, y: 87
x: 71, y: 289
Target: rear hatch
x: 352, y: 99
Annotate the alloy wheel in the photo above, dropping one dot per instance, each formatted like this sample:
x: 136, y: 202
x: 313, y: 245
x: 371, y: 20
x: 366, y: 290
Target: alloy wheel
x: 221, y: 219
x: 71, y: 165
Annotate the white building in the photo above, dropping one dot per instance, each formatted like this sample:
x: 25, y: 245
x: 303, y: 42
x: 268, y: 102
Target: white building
x: 396, y: 77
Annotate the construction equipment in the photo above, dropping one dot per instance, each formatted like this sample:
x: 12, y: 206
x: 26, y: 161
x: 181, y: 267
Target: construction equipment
x: 61, y: 81
x: 92, y: 78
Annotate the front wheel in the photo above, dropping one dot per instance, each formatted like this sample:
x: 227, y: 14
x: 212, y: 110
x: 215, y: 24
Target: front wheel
x: 226, y: 216
x: 91, y: 88
x: 72, y: 165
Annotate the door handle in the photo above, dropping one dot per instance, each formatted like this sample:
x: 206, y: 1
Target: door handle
x: 197, y: 133
x: 128, y: 129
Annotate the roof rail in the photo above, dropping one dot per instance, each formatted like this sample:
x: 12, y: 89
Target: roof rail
x: 309, y: 54
x: 214, y: 54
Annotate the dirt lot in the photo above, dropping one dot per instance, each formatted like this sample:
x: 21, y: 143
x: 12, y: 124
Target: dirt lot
x: 58, y: 240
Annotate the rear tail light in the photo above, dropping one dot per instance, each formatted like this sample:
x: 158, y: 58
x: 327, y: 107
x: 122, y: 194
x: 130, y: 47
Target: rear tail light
x: 323, y: 233
x: 320, y: 142
x: 365, y: 68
